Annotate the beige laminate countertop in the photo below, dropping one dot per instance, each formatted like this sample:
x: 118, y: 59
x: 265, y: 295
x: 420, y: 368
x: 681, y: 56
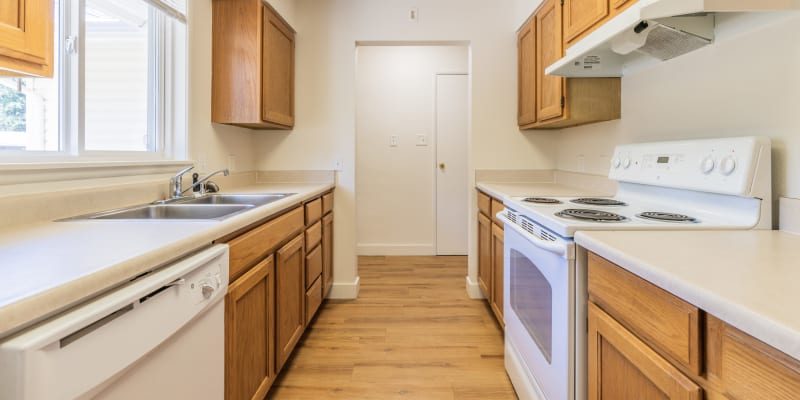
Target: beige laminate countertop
x: 51, y: 266
x: 503, y: 190
x: 749, y: 279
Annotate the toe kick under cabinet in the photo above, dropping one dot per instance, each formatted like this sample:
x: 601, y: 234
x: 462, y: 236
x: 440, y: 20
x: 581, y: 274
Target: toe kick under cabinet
x: 279, y: 274
x: 645, y: 343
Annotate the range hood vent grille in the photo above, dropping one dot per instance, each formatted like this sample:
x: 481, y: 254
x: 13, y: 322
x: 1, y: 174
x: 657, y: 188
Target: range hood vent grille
x: 665, y: 43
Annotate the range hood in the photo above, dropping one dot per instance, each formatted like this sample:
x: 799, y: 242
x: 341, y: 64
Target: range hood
x: 660, y: 29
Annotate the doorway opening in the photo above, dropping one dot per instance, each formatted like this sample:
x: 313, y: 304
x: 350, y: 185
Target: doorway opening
x: 412, y: 148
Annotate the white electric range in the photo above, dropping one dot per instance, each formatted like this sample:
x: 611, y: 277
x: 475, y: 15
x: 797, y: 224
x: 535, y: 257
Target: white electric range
x: 708, y: 184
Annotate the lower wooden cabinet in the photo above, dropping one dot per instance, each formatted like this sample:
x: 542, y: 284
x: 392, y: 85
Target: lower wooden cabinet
x: 622, y: 367
x: 497, y: 274
x: 485, y: 255
x: 281, y: 271
x: 290, y: 304
x: 250, y: 333
x: 644, y: 344
x: 490, y: 254
x: 327, y: 253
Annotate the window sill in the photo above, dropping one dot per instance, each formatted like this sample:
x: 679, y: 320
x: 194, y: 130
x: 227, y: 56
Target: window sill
x: 38, y: 173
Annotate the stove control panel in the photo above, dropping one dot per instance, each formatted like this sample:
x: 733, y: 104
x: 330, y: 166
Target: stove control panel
x: 726, y: 166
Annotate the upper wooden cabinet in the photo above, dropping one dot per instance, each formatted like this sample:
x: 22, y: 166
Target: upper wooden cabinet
x: 252, y: 81
x: 526, y: 53
x: 581, y: 17
x: 548, y: 41
x: 548, y: 102
x: 26, y: 37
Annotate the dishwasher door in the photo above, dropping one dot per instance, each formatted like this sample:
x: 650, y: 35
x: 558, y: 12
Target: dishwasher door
x: 159, y: 336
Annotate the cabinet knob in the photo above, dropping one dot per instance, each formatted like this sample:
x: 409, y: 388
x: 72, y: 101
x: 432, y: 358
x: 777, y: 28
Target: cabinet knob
x: 441, y: 166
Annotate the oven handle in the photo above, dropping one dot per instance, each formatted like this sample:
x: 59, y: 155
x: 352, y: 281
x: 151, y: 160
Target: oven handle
x: 559, y: 249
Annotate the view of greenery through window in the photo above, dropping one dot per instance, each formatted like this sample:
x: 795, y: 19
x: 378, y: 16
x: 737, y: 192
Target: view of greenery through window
x: 12, y: 115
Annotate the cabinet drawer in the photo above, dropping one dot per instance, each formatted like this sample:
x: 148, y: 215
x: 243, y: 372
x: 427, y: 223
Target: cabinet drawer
x: 669, y: 324
x: 327, y: 203
x: 313, y: 265
x: 313, y: 211
x: 751, y: 369
x: 251, y: 246
x: 313, y: 300
x: 497, y: 206
x: 484, y: 203
x: 313, y: 235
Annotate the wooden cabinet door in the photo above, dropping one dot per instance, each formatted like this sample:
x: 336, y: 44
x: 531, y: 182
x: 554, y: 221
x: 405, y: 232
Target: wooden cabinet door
x: 26, y: 36
x: 618, y: 6
x: 290, y: 293
x: 526, y: 71
x: 485, y: 256
x: 549, y: 48
x: 582, y: 15
x: 497, y: 273
x: 622, y: 367
x: 250, y: 333
x: 277, y: 70
x: 327, y: 254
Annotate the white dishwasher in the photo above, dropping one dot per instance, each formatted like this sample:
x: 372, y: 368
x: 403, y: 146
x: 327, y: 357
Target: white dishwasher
x: 161, y: 336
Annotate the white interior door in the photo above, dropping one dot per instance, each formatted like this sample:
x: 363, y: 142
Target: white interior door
x: 452, y: 179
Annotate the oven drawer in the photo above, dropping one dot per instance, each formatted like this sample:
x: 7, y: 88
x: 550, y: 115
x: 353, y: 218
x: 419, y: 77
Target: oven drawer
x: 669, y: 324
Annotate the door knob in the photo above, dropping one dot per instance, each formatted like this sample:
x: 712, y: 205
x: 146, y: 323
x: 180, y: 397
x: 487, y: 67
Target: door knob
x: 441, y: 166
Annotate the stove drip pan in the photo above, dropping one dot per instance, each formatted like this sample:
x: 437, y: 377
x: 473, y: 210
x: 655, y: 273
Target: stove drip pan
x: 598, y: 201
x: 666, y: 217
x: 541, y: 200
x: 584, y: 214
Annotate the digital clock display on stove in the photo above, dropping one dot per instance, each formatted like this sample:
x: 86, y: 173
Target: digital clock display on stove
x: 662, y: 160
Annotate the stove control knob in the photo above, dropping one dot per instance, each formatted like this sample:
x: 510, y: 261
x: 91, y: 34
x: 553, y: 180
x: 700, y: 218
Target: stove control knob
x: 207, y: 290
x: 707, y: 165
x: 626, y: 163
x: 728, y: 165
x: 615, y: 163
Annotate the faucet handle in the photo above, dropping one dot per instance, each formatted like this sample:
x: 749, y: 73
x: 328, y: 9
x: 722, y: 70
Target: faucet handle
x: 183, y: 171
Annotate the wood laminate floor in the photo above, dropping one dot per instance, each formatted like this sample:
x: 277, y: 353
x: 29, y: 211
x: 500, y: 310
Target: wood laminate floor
x: 412, y: 334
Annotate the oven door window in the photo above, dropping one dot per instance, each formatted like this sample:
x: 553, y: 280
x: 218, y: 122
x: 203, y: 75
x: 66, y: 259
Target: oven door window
x: 531, y: 298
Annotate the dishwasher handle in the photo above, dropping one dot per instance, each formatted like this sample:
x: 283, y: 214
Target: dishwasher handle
x: 78, y: 352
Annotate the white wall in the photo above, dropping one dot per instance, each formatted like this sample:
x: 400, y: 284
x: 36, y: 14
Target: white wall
x: 396, y: 94
x: 325, y: 93
x: 747, y: 83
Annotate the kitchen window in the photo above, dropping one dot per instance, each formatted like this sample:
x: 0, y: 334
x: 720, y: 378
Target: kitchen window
x: 118, y: 90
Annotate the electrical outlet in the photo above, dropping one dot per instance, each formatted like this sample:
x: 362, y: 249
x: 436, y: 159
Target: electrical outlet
x: 232, y: 162
x: 581, y: 163
x: 393, y: 140
x: 337, y: 165
x: 422, y: 139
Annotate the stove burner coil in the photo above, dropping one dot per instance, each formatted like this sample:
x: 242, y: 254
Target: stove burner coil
x: 541, y: 200
x: 590, y: 215
x: 666, y: 217
x: 598, y: 201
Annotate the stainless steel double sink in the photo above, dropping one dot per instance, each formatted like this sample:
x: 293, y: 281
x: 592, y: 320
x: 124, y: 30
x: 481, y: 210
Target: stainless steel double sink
x: 208, y: 207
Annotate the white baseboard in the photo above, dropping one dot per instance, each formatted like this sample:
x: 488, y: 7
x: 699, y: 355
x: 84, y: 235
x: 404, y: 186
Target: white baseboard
x: 345, y: 290
x: 386, y: 249
x: 789, y: 215
x: 473, y: 290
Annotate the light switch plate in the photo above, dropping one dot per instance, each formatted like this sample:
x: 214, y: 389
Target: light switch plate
x: 337, y: 165
x: 422, y: 140
x: 393, y: 141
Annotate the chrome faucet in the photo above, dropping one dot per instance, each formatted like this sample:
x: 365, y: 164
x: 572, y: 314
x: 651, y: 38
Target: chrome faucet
x: 176, y: 182
x: 203, y: 180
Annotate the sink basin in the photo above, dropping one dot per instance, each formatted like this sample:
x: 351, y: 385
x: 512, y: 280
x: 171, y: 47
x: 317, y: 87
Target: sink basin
x: 172, y: 211
x: 252, y: 199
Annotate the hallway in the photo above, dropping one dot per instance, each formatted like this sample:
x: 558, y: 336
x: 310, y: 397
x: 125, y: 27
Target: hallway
x: 412, y: 334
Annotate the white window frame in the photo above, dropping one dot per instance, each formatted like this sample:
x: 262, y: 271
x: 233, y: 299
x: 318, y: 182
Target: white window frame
x: 166, y: 122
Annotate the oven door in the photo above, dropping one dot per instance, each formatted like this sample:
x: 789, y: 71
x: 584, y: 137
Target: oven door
x: 539, y: 284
